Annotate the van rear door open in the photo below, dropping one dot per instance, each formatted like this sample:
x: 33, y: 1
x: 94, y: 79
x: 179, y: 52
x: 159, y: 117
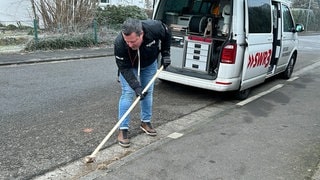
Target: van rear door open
x: 259, y: 39
x: 228, y: 45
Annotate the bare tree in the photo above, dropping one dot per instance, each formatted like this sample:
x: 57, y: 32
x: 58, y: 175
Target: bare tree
x: 64, y: 15
x: 315, y: 4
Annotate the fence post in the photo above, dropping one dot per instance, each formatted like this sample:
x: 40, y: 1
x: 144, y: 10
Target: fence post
x: 35, y: 27
x: 307, y: 25
x: 95, y: 31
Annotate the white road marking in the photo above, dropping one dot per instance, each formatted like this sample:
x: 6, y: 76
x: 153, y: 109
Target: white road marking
x: 292, y: 79
x: 244, y: 102
x: 296, y: 74
x: 175, y: 135
x: 307, y: 68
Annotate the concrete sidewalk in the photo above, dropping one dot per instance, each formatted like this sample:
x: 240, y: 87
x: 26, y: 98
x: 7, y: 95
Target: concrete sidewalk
x: 54, y: 55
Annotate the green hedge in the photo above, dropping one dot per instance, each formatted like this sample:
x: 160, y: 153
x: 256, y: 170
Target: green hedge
x: 62, y: 42
x: 113, y: 15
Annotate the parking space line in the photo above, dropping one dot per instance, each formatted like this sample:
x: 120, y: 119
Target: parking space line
x: 293, y: 79
x: 244, y: 102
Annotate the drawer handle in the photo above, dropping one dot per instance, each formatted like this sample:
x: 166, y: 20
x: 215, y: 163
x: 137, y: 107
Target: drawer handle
x: 195, y: 66
x: 196, y: 52
x: 196, y: 57
x: 197, y: 45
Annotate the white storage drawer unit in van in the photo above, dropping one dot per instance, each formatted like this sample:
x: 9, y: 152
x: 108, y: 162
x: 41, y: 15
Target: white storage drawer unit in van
x: 197, y: 53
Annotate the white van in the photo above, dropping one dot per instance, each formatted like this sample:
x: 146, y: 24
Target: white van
x: 228, y: 45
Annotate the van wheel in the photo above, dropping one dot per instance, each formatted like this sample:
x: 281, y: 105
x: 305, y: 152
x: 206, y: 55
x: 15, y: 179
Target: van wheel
x: 242, y: 95
x: 288, y: 72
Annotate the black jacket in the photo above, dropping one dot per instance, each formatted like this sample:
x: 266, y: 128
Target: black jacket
x: 154, y: 32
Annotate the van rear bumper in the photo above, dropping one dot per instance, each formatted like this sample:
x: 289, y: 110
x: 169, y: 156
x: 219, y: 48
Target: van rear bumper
x: 215, y: 85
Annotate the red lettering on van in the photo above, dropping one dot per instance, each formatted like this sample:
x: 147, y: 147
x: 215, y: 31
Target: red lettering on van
x: 260, y: 59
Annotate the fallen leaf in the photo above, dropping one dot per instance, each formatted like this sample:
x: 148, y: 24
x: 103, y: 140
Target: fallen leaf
x: 87, y: 130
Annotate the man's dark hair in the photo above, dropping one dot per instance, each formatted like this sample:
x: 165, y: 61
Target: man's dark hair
x: 132, y: 25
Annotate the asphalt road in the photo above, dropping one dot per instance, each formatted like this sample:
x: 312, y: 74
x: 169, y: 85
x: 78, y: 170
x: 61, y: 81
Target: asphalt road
x: 55, y: 113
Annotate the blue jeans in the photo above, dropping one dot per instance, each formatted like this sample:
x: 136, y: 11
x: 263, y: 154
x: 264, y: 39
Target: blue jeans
x: 128, y: 95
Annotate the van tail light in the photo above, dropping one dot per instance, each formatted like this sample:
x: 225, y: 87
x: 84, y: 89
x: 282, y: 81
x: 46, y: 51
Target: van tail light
x: 229, y: 54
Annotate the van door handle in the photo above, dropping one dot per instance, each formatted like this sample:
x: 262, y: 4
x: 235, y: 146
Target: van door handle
x: 244, y: 44
x: 269, y: 39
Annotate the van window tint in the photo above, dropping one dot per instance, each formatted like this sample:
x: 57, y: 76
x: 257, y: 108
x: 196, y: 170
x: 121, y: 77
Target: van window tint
x: 175, y: 6
x: 188, y: 6
x: 201, y: 7
x: 287, y: 19
x: 275, y: 16
x: 259, y: 16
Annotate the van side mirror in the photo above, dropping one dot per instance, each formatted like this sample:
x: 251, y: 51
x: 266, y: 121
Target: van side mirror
x: 299, y: 28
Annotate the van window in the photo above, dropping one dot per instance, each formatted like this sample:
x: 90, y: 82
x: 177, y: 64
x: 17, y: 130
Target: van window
x: 201, y: 7
x: 175, y: 6
x: 287, y: 19
x: 259, y: 16
x: 189, y: 6
x: 275, y: 16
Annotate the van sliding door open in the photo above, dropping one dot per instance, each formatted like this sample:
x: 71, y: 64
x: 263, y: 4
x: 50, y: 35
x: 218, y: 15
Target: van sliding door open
x: 259, y: 39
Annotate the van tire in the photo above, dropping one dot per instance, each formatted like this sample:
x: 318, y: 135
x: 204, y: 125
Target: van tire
x: 243, y: 94
x: 289, y: 70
